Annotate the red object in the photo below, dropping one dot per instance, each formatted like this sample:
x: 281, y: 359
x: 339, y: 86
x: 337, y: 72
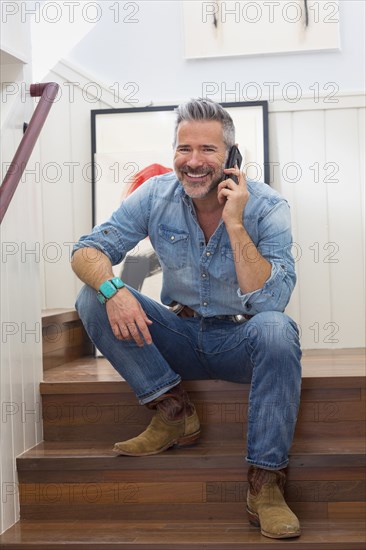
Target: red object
x: 145, y: 174
x: 48, y: 92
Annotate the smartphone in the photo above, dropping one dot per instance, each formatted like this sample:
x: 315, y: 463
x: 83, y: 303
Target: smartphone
x: 234, y: 159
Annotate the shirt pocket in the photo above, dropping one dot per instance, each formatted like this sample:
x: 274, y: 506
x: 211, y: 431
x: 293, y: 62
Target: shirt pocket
x: 172, y: 247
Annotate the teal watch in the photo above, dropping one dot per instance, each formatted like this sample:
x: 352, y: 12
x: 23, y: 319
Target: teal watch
x: 109, y: 288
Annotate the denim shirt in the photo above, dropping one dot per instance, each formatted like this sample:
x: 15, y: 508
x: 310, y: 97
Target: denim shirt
x: 195, y: 273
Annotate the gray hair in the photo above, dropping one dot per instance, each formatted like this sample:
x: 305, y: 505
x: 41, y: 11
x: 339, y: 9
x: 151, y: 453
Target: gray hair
x: 202, y: 109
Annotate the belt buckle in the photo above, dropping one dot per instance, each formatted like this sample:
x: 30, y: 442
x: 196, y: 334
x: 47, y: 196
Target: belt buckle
x: 239, y: 318
x: 177, y: 308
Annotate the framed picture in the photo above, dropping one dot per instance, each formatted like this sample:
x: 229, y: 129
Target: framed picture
x: 227, y: 28
x: 127, y: 142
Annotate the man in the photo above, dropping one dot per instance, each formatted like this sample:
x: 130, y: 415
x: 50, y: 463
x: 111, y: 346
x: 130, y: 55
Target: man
x: 228, y: 274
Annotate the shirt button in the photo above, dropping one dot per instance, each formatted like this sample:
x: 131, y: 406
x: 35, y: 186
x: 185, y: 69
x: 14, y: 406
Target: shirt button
x: 203, y: 275
x: 172, y: 238
x: 205, y: 303
x: 208, y: 253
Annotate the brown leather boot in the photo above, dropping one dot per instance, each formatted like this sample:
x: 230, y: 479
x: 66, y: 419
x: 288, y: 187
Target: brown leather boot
x: 175, y: 423
x: 266, y: 505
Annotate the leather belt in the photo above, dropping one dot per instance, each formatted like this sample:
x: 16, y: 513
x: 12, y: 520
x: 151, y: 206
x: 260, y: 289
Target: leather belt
x: 187, y: 312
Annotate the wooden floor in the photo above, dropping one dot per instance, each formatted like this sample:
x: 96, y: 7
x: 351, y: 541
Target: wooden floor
x: 177, y: 535
x: 75, y: 493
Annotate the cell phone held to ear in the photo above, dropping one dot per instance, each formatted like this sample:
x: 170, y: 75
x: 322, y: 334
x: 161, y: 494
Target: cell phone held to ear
x: 234, y: 159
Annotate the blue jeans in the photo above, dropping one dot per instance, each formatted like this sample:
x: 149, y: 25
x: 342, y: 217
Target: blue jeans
x: 263, y: 351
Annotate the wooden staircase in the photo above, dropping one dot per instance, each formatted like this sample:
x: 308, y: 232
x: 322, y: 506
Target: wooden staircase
x: 75, y: 493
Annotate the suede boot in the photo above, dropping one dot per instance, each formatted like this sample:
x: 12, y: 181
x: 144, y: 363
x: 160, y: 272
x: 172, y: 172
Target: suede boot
x: 266, y: 505
x: 175, y: 423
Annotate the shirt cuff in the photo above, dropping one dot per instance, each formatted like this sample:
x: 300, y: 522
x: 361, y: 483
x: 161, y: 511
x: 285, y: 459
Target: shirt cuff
x: 269, y: 296
x: 107, y: 240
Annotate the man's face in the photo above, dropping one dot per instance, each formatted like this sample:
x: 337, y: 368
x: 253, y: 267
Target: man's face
x: 200, y: 156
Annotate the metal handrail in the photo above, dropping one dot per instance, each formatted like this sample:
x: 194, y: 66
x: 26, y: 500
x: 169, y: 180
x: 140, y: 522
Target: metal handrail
x: 47, y: 91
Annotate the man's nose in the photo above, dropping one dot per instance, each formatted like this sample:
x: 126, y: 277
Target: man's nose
x: 195, y: 160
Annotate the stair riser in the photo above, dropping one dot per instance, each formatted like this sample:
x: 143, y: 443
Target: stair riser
x: 63, y: 341
x: 216, y: 434
x: 55, y: 494
x: 92, y: 408
x: 316, y: 476
x: 204, y: 512
x: 112, y: 487
x: 49, y: 493
x: 88, y: 417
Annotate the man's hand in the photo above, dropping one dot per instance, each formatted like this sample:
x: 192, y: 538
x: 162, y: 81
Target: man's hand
x: 233, y: 197
x: 127, y: 318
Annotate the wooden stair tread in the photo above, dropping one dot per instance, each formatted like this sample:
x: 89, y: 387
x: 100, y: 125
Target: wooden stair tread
x: 337, y: 370
x: 203, y: 455
x: 70, y: 448
x: 341, y: 534
x: 59, y: 315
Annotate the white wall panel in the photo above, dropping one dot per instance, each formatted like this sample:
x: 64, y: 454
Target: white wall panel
x: 7, y: 479
x: 281, y: 151
x: 328, y: 218
x: 67, y: 201
x: 21, y: 369
x: 81, y: 153
x: 345, y: 227
x: 361, y: 116
x: 311, y: 213
x: 56, y: 198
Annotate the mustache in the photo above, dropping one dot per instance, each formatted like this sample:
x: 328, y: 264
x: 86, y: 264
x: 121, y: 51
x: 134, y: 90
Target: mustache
x: 194, y: 171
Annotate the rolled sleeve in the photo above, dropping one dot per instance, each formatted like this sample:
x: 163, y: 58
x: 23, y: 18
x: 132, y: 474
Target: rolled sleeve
x: 273, y: 296
x: 274, y: 244
x: 105, y: 238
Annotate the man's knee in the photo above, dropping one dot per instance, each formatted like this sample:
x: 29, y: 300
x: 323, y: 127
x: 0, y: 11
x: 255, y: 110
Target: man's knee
x: 274, y: 328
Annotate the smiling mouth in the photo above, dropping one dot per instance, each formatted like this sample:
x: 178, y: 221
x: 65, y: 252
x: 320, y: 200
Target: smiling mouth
x: 197, y: 175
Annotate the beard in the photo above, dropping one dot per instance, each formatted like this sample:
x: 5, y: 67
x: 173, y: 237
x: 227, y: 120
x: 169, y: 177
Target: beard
x: 204, y: 185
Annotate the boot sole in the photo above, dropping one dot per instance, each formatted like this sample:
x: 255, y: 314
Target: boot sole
x: 184, y: 441
x: 254, y: 520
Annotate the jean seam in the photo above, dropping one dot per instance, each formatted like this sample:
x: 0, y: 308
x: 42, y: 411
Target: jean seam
x: 169, y: 327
